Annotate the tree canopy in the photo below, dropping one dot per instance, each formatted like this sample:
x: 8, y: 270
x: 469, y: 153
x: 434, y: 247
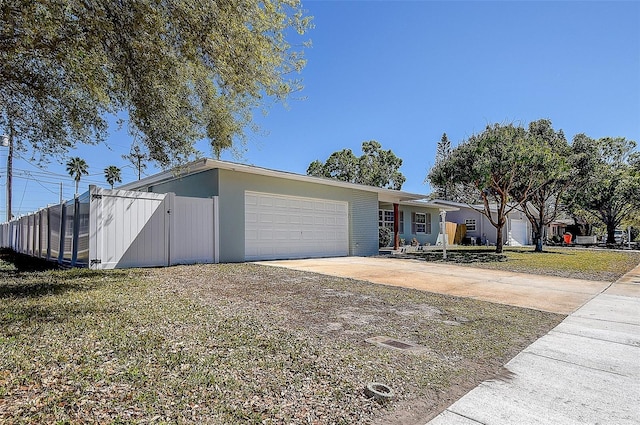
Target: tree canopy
x: 608, y: 180
x: 443, y: 152
x: 183, y: 70
x: 536, y: 171
x: 492, y: 164
x: 552, y: 173
x: 375, y: 167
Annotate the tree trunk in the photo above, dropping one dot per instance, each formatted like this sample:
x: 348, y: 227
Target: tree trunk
x: 499, y: 242
x: 537, y: 236
x: 538, y: 228
x: 611, y: 233
x: 537, y: 240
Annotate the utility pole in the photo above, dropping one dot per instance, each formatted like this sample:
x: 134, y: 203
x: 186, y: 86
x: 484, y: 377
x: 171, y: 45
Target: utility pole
x: 7, y: 141
x: 136, y: 157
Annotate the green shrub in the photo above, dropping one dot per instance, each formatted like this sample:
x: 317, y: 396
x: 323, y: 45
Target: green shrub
x: 384, y: 236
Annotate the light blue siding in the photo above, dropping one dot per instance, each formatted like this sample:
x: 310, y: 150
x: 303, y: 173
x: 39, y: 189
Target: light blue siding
x: 230, y: 187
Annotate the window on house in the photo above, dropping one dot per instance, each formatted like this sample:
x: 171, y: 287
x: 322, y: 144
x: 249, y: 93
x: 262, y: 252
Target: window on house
x: 471, y: 224
x: 385, y: 219
x: 420, y: 223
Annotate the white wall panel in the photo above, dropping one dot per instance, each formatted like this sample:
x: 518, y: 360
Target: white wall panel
x: 192, y: 232
x: 128, y: 229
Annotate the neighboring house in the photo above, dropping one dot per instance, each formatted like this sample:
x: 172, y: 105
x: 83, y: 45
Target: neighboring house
x: 268, y: 214
x: 516, y: 232
x: 558, y: 227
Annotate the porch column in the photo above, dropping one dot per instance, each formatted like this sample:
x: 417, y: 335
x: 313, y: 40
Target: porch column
x: 396, y: 226
x: 443, y: 232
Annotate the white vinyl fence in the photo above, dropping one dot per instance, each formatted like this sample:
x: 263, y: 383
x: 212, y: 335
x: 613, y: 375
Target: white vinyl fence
x: 106, y: 229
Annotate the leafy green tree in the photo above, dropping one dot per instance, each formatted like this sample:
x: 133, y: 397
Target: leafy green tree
x: 112, y: 174
x: 607, y: 180
x: 443, y: 149
x: 552, y: 171
x: 182, y: 70
x: 492, y: 164
x: 443, y: 152
x: 375, y: 167
x: 77, y: 167
x: 341, y: 165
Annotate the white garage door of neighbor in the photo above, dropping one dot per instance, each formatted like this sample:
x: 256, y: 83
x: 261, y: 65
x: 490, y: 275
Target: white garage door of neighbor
x: 518, y: 233
x: 283, y: 227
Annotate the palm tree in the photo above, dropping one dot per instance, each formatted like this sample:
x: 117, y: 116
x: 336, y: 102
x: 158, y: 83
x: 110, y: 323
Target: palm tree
x: 77, y: 167
x: 112, y: 175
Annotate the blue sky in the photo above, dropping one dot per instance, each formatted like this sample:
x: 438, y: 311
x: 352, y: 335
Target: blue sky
x: 404, y: 72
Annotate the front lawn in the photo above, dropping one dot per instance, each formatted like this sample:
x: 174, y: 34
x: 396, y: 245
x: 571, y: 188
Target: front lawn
x: 579, y: 263
x: 239, y: 343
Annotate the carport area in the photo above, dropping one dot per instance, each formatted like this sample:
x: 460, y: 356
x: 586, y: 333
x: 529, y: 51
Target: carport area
x: 546, y: 293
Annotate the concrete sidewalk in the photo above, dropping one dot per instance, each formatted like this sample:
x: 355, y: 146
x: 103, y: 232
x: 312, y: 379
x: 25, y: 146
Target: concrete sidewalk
x: 584, y: 371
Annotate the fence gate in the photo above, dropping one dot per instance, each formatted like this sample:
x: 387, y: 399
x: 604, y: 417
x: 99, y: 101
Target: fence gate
x: 127, y: 229
x: 142, y: 229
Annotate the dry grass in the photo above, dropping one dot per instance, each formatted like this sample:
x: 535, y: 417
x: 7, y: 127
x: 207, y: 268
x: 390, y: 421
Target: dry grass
x: 591, y: 264
x: 239, y: 343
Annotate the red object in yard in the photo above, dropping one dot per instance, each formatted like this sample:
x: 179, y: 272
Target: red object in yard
x: 567, y: 238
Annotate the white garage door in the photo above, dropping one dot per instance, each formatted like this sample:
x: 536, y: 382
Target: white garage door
x: 281, y: 227
x: 518, y: 233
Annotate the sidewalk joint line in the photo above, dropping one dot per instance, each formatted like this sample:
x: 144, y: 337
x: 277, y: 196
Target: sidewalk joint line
x: 576, y: 364
x: 594, y: 338
x: 602, y: 320
x: 466, y: 417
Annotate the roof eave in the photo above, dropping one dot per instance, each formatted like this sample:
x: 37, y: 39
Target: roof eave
x: 384, y: 195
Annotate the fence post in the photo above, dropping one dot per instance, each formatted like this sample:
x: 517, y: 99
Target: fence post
x: 216, y: 231
x: 63, y: 219
x: 170, y: 225
x: 95, y: 227
x: 48, y: 255
x: 76, y: 231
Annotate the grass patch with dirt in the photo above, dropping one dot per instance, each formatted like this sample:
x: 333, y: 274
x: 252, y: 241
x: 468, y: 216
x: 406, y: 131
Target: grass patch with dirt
x: 239, y: 343
x: 590, y: 264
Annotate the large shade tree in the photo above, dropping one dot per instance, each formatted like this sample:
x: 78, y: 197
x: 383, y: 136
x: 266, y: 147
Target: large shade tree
x: 182, y: 70
x: 492, y: 164
x: 608, y: 180
x: 375, y: 167
x: 552, y: 171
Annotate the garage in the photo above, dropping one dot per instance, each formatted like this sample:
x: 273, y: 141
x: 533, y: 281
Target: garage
x: 280, y: 226
x: 518, y: 233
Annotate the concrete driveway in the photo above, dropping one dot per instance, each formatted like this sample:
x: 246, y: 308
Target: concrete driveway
x: 546, y: 293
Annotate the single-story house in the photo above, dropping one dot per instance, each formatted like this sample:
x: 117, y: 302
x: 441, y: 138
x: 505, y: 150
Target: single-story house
x: 516, y: 232
x: 268, y: 214
x: 558, y: 227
